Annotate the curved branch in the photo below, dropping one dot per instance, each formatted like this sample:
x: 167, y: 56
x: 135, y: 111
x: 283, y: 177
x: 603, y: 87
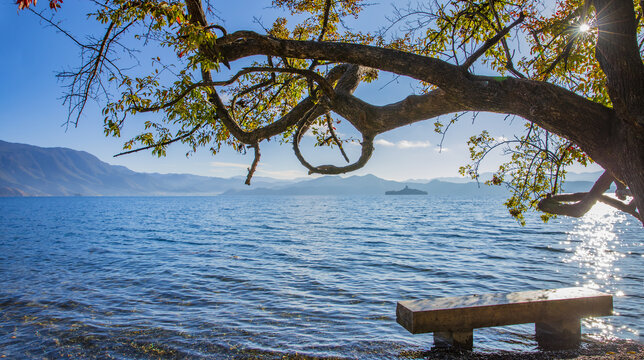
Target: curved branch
x: 218, y: 27
x: 552, y: 107
x: 368, y: 118
x: 582, y: 202
x: 367, y: 151
x: 627, y: 208
x: 242, y: 44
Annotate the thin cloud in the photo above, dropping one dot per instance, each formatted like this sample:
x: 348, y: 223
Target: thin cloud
x: 229, y: 165
x: 219, y: 167
x: 403, y: 144
x: 384, y: 142
x: 284, y: 174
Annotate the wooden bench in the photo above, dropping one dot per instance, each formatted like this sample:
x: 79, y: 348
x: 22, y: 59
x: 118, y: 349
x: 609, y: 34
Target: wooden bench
x: 556, y: 314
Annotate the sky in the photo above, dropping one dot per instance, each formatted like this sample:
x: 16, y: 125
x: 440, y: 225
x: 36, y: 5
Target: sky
x: 31, y: 109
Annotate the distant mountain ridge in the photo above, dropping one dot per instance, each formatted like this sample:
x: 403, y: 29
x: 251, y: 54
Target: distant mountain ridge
x: 372, y: 185
x: 27, y: 170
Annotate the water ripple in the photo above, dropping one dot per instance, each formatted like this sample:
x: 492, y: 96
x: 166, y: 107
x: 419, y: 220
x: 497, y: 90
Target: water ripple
x: 231, y: 277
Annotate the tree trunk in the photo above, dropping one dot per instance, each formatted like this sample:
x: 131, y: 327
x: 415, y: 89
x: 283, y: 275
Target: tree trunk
x: 618, y: 54
x: 630, y: 166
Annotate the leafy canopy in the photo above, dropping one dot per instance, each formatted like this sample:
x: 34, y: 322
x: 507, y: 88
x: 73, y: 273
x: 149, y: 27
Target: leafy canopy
x: 534, y: 41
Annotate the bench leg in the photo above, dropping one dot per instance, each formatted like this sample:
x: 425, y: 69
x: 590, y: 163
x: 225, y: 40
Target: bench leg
x: 462, y: 339
x: 559, y: 334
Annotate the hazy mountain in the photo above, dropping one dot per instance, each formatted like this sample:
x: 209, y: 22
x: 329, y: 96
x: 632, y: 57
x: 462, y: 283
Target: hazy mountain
x: 370, y: 185
x: 326, y: 185
x: 27, y: 170
x: 570, y: 177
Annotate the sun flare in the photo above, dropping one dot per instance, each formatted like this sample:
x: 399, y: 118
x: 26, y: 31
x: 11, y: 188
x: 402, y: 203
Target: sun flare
x: 584, y: 27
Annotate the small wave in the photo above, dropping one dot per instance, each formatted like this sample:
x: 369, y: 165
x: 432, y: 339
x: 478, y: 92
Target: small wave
x: 550, y: 249
x: 147, y: 286
x: 172, y: 241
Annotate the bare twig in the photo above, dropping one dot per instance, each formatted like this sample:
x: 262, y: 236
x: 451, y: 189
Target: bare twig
x: 163, y: 143
x: 329, y: 124
x: 491, y: 42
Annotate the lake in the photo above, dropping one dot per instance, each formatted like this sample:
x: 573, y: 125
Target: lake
x: 225, y: 276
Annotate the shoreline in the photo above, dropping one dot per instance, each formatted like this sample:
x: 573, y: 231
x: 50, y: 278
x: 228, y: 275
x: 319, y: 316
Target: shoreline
x: 616, y: 349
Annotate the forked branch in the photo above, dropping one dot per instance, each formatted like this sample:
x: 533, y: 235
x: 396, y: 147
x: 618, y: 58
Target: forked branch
x: 578, y: 204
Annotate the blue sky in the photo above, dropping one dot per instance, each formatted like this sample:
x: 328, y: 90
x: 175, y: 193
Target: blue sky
x: 32, y: 110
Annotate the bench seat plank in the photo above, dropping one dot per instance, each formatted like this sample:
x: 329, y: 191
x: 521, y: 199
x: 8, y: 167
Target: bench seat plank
x: 476, y: 311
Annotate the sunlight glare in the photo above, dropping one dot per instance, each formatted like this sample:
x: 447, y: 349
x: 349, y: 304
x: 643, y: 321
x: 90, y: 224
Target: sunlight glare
x: 596, y: 252
x: 584, y: 27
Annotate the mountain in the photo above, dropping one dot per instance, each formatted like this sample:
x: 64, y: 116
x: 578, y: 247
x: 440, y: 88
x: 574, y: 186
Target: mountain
x: 370, y: 185
x: 326, y: 185
x: 27, y: 170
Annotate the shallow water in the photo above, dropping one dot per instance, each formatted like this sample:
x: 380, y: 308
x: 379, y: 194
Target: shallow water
x: 223, y: 277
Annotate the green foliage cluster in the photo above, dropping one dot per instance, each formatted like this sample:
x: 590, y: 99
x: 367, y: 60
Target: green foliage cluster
x: 536, y: 166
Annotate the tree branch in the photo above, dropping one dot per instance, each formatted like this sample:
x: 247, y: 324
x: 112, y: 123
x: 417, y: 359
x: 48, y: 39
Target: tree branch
x: 550, y: 106
x: 619, y: 57
x: 253, y: 167
x: 163, y: 143
x: 367, y: 150
x: 491, y: 42
x: 582, y: 202
x: 324, y: 84
x: 329, y: 124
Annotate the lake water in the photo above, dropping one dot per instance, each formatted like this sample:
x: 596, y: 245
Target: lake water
x: 227, y: 277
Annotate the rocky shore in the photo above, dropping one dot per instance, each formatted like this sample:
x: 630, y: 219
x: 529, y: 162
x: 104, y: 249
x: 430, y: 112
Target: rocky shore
x: 610, y: 350
x: 615, y: 350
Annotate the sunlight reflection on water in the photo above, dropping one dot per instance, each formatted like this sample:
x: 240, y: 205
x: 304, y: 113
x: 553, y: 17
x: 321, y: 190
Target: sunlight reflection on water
x: 224, y: 277
x: 595, y: 248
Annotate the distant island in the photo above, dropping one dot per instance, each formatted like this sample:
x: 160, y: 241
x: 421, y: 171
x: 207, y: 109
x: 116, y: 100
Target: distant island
x: 406, y: 191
